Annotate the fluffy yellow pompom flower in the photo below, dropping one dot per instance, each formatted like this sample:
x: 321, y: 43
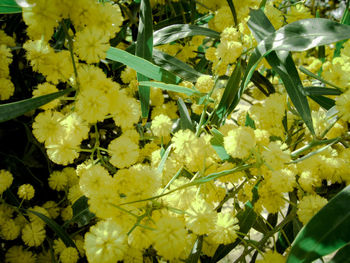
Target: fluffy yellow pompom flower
x: 69, y: 255
x: 169, y: 237
x: 204, y: 83
x: 161, y: 126
x: 225, y: 229
x: 124, y: 152
x: 26, y: 191
x: 58, y: 181
x: 6, y: 179
x: 105, y: 243
x: 9, y: 230
x: 6, y: 89
x: 309, y: 206
x: 17, y: 254
x: 239, y: 142
x: 200, y: 217
x: 272, y: 256
x: 52, y: 208
x: 33, y: 234
x: 47, y: 127
x: 275, y: 157
x: 229, y: 51
x: 223, y: 18
x: 298, y: 12
x: 91, y: 44
x: 342, y: 103
x: 35, y: 219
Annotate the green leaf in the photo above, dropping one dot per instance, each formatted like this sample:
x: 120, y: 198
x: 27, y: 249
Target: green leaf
x: 171, y: 87
x: 297, y: 36
x: 81, y: 212
x: 217, y: 142
x: 196, y: 251
x: 9, y: 7
x: 249, y: 122
x: 317, y: 90
x: 310, y: 74
x: 12, y: 110
x: 324, y: 102
x: 283, y: 64
x: 229, y: 94
x: 342, y: 256
x: 175, y: 66
x: 233, y: 11
x: 163, y: 160
x: 326, y: 232
x: 56, y: 228
x: 178, y: 31
x: 144, y: 48
x: 344, y: 20
x: 185, y: 119
x: 142, y: 66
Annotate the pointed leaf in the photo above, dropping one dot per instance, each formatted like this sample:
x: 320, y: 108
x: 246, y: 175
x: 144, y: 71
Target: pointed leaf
x: 12, y: 110
x: 171, y: 87
x: 217, y: 142
x: 283, y: 64
x: 142, y: 66
x: 9, y: 7
x: 326, y: 232
x: 175, y: 66
x: 144, y: 48
x: 56, y: 228
x: 196, y: 251
x: 178, y: 31
x: 342, y: 256
x: 185, y: 119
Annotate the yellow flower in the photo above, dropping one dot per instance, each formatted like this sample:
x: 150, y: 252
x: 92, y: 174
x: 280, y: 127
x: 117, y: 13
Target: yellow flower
x: 309, y: 206
x: 225, y: 229
x: 6, y: 89
x: 239, y: 142
x: 17, y: 254
x: 6, y: 179
x: 9, y: 230
x: 204, y: 83
x: 342, y: 103
x: 69, y: 255
x: 43, y: 89
x: 124, y: 152
x: 105, y: 243
x: 272, y: 256
x: 33, y: 234
x: 161, y: 126
x: 26, y: 191
x: 91, y: 44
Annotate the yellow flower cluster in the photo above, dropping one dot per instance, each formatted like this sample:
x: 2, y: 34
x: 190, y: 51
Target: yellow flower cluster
x: 6, y: 86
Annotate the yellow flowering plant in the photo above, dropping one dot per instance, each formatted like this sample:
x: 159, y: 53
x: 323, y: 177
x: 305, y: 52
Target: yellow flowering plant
x: 167, y: 131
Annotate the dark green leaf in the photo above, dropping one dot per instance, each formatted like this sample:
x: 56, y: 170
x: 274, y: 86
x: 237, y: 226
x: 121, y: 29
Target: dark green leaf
x: 56, y: 228
x: 233, y: 11
x: 217, y: 142
x: 249, y: 122
x: 342, y: 256
x: 174, y: 32
x: 317, y: 90
x: 185, y: 119
x: 12, y: 110
x: 170, y: 87
x: 326, y: 232
x: 9, y: 7
x: 283, y: 64
x: 312, y: 75
x: 196, y: 251
x: 175, y: 66
x: 229, y: 94
x: 81, y: 212
x: 144, y: 48
x: 142, y: 66
x: 345, y: 20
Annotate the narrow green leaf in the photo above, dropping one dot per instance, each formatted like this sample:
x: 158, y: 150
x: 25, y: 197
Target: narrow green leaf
x: 229, y: 94
x: 175, y: 66
x: 310, y: 74
x: 185, y: 119
x: 196, y: 251
x: 326, y: 232
x: 297, y: 36
x: 142, y: 66
x: 345, y: 20
x: 217, y: 142
x: 9, y: 7
x: 249, y: 122
x: 171, y: 87
x: 319, y: 90
x: 174, y: 32
x: 81, y: 212
x: 283, y: 64
x: 342, y: 256
x: 163, y: 160
x: 233, y: 11
x: 56, y: 228
x: 12, y: 110
x: 144, y: 48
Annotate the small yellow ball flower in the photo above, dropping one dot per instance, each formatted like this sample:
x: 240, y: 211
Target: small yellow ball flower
x: 69, y: 255
x: 26, y: 191
x: 5, y: 180
x: 309, y: 206
x: 33, y: 234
